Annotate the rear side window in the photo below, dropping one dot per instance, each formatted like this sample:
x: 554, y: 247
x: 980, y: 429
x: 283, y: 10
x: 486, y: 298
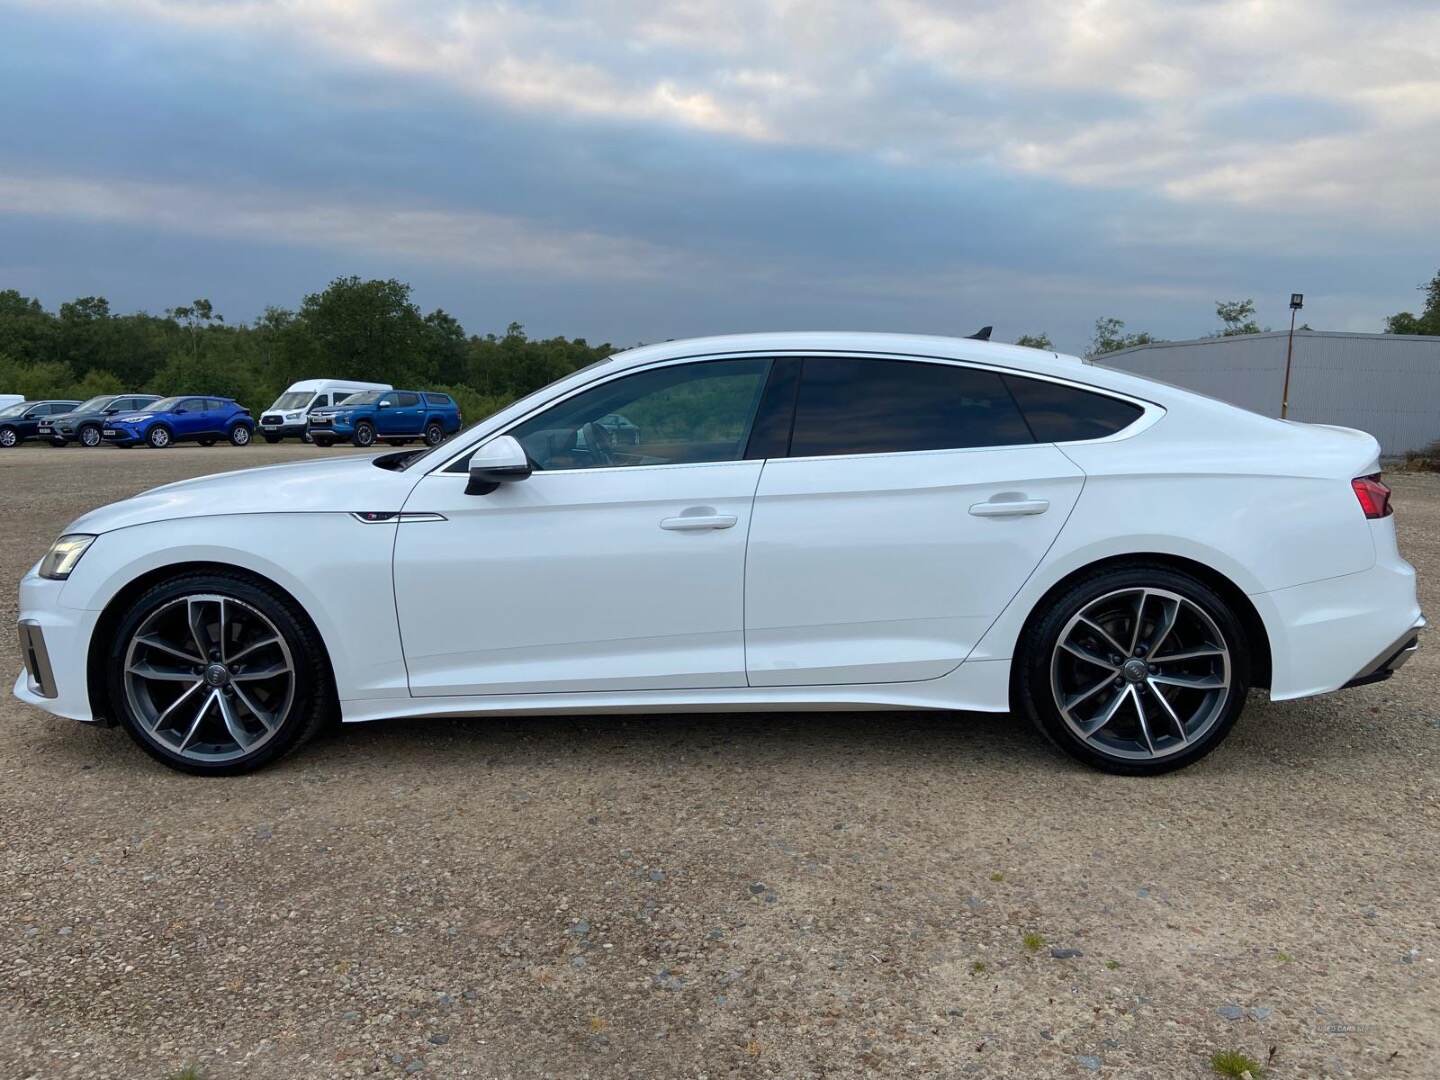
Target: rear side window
x: 1059, y: 413
x: 214, y: 404
x: 863, y: 406
x: 438, y: 399
x: 405, y: 401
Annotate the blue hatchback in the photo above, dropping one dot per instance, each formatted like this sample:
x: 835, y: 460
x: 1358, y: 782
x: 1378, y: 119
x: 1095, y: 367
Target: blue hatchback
x: 205, y: 420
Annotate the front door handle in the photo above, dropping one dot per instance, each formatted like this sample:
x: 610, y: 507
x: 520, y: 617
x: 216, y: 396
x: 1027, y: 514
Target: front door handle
x: 696, y: 518
x: 1012, y: 508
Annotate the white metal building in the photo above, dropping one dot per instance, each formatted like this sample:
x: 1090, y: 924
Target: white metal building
x: 1386, y: 384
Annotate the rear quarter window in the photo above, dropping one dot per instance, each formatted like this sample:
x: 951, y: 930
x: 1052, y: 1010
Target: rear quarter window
x: 438, y: 399
x: 1059, y: 413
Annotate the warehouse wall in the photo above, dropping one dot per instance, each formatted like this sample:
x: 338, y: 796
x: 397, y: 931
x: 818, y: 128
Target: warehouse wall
x: 1386, y: 384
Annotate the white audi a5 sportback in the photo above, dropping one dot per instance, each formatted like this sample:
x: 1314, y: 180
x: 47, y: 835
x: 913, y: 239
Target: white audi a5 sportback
x: 779, y: 521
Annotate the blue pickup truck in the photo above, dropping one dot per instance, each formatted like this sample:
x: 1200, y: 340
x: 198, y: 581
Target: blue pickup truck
x: 393, y: 416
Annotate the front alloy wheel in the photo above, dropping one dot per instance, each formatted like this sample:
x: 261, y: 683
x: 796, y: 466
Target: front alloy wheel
x: 364, y: 434
x: 159, y: 437
x: 1138, y: 671
x: 8, y: 438
x: 217, y: 674
x: 90, y: 435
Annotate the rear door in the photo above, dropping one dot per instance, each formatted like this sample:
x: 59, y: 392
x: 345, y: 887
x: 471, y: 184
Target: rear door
x: 913, y: 504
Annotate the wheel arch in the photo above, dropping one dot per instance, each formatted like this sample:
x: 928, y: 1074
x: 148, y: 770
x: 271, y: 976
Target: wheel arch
x: 117, y: 605
x: 1257, y: 637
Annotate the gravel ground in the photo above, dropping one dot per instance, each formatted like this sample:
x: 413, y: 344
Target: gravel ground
x: 778, y: 895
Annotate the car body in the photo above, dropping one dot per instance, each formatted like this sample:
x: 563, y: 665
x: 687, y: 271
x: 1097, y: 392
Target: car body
x: 185, y: 418
x: 22, y: 420
x: 85, y: 422
x: 803, y: 521
x: 289, y: 416
x: 391, y: 416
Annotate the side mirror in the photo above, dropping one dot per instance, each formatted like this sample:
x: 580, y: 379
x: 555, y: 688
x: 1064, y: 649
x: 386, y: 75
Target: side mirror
x: 500, y: 461
x: 382, y: 405
x: 180, y: 410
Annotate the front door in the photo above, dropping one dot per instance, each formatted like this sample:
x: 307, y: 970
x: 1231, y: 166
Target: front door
x: 912, y: 506
x: 617, y: 565
x: 191, y: 418
x: 401, y: 417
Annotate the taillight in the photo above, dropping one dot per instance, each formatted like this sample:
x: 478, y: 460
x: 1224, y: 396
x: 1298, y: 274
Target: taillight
x: 1374, y: 496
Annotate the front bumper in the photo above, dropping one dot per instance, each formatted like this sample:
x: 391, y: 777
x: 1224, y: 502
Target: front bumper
x: 286, y: 429
x: 54, y: 648
x: 335, y: 429
x: 121, y: 435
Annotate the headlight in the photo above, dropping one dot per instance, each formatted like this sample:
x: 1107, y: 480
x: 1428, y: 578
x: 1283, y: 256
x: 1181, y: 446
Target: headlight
x: 63, y: 555
x: 134, y: 419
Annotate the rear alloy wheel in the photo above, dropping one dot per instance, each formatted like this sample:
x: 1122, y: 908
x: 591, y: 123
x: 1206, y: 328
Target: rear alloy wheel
x: 8, y: 438
x: 239, y: 435
x: 1136, y: 671
x: 434, y: 434
x: 215, y: 674
x: 364, y: 434
x: 90, y: 435
x: 159, y: 437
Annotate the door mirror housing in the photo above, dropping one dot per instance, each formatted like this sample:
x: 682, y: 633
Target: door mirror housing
x: 502, y: 460
x: 383, y: 404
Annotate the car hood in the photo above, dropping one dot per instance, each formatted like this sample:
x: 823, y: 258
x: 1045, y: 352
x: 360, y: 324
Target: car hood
x: 341, y: 485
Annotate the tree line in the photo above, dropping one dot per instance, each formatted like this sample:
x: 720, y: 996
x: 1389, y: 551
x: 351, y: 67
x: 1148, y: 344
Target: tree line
x: 353, y: 329
x: 369, y: 330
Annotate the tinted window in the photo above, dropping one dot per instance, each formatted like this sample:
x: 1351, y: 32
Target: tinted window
x: 438, y: 399
x: 860, y: 406
x: 668, y: 416
x: 405, y: 401
x: 1059, y: 413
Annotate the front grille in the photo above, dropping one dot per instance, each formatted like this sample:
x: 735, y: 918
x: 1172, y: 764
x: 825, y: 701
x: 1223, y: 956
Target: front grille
x: 271, y: 418
x: 37, y: 659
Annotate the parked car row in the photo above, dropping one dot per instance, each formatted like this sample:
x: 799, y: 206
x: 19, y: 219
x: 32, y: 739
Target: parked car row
x: 320, y: 410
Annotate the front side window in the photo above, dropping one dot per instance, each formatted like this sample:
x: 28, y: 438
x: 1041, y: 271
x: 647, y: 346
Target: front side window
x: 679, y: 415
x: 864, y: 406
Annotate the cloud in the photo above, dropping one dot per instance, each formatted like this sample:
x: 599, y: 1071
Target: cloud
x: 475, y: 240
x: 1117, y: 94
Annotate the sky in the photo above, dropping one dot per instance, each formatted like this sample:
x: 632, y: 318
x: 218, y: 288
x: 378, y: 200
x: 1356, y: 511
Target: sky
x: 631, y: 172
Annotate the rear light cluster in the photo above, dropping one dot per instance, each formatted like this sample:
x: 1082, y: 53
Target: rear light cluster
x: 1374, y: 496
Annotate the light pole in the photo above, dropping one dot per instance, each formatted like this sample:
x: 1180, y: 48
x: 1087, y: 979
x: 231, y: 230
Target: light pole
x: 1297, y: 301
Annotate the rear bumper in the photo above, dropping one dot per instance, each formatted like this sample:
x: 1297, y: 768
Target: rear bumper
x: 1391, y: 659
x: 1342, y: 631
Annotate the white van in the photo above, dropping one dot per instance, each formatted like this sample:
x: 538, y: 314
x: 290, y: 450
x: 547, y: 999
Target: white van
x: 290, y: 415
x: 6, y: 400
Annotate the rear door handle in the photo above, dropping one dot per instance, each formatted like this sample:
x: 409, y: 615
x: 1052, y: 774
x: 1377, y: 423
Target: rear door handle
x: 1015, y: 508
x: 689, y: 521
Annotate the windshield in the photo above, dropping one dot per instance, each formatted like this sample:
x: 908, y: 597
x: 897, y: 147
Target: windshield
x: 96, y: 404
x: 294, y: 399
x: 369, y: 397
x: 16, y: 409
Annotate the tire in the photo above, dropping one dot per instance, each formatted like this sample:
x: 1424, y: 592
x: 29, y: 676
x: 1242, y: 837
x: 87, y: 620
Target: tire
x: 272, y: 439
x: 434, y: 434
x: 324, y: 444
x: 239, y: 435
x: 206, y: 442
x: 89, y: 436
x: 1166, y: 708
x: 298, y: 702
x: 364, y: 434
x: 8, y: 438
x: 159, y: 437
